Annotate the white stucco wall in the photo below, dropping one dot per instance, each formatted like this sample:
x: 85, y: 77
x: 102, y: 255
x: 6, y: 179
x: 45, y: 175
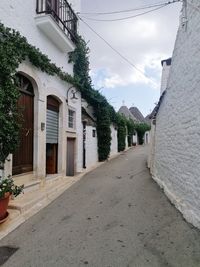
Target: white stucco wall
x: 177, y: 141
x: 91, y: 147
x: 135, y: 138
x: 20, y: 15
x: 147, y: 137
x: 114, y: 142
x: 126, y: 142
x: 151, y: 153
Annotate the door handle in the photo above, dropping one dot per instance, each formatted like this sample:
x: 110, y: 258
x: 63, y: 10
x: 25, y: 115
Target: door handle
x: 27, y: 133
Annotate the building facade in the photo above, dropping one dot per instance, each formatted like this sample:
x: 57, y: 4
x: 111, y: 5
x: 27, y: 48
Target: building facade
x: 51, y: 136
x: 176, y: 151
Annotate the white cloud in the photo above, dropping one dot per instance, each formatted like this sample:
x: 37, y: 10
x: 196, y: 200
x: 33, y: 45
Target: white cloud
x: 144, y: 41
x: 114, y: 78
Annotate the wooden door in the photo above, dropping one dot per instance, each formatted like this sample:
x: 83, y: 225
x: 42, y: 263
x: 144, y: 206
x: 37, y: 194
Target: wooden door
x: 52, y: 129
x: 51, y: 158
x: 23, y: 156
x: 70, y: 156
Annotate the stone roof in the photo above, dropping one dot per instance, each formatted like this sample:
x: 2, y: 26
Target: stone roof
x: 126, y: 112
x: 137, y: 114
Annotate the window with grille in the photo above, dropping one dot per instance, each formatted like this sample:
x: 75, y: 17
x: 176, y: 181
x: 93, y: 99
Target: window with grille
x: 71, y: 119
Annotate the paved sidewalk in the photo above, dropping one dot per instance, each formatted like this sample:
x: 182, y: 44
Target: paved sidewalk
x: 116, y: 216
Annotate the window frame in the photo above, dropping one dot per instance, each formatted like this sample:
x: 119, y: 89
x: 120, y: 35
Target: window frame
x: 71, y: 124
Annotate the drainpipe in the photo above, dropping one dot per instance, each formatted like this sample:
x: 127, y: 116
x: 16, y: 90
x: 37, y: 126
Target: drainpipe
x: 1, y: 171
x: 84, y: 144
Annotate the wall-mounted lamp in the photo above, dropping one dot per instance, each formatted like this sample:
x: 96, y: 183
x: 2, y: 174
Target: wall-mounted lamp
x: 73, y: 94
x: 42, y: 126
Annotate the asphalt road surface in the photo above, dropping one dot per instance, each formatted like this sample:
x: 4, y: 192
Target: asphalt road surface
x: 116, y: 216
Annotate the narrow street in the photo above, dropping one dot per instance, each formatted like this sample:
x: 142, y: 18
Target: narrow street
x: 116, y: 216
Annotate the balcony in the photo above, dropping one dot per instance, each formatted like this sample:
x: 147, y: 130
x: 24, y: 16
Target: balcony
x: 58, y: 22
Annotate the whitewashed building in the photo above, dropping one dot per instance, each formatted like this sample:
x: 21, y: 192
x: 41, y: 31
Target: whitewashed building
x: 90, y: 138
x: 135, y: 138
x: 147, y: 137
x: 90, y: 141
x: 51, y: 137
x: 166, y: 65
x: 176, y: 152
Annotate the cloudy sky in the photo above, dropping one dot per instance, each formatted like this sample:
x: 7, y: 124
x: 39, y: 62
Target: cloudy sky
x: 144, y: 41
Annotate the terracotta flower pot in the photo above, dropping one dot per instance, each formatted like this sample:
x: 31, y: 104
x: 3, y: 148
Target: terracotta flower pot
x: 4, y: 205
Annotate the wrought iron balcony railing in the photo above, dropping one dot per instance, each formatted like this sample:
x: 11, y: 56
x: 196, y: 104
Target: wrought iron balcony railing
x: 62, y: 13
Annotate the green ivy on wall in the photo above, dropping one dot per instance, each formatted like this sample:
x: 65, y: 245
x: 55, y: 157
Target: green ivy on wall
x: 103, y: 111
x: 13, y: 50
x: 141, y: 128
x: 127, y: 127
x: 121, y: 132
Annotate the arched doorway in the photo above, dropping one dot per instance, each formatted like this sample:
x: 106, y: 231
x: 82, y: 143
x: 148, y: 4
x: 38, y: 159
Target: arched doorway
x: 52, y: 132
x: 23, y: 156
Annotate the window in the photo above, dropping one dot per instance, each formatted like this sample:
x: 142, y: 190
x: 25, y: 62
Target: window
x: 71, y: 119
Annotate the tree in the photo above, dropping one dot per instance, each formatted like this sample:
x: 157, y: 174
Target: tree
x: 121, y: 132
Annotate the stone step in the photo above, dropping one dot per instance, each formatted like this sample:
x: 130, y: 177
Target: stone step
x: 36, y: 197
x: 32, y: 186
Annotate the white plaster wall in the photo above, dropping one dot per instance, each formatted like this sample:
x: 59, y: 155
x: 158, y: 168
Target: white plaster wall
x: 147, y: 137
x: 114, y: 142
x: 135, y: 138
x: 126, y: 142
x: 20, y: 15
x: 91, y: 147
x: 165, y: 76
x: 151, y: 154
x: 177, y: 141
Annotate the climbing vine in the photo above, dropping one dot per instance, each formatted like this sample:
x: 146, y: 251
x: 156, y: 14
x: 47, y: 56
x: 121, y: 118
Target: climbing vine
x: 103, y: 111
x: 121, y: 132
x: 131, y: 129
x: 128, y: 127
x: 141, y: 128
x: 13, y: 50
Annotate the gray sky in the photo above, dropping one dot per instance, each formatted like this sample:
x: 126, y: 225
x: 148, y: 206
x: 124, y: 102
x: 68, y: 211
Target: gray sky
x: 144, y: 40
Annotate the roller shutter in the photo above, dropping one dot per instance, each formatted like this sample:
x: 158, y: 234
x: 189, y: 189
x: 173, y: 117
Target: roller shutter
x: 52, y: 127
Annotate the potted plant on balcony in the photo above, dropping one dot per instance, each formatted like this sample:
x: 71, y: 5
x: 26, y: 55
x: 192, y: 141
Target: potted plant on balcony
x: 7, y: 188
